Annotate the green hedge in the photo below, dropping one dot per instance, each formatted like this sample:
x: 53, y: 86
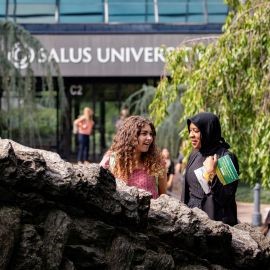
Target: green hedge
x: 245, y: 194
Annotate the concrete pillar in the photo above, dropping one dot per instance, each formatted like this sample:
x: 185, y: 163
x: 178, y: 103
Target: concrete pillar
x: 256, y: 216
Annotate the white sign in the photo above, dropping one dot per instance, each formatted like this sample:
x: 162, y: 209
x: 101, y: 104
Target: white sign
x: 100, y: 55
x: 76, y: 90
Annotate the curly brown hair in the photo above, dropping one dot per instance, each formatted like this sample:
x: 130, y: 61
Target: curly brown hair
x: 124, y: 148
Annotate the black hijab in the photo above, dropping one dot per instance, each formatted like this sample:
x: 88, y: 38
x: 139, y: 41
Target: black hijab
x: 209, y: 126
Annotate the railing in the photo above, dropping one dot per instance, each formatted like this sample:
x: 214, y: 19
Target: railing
x: 114, y: 11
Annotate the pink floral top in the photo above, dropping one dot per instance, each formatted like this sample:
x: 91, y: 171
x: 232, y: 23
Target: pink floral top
x: 139, y: 178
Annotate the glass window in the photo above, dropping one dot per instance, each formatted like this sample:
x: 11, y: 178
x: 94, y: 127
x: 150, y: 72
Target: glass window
x: 81, y: 11
x: 131, y: 11
x: 31, y: 11
x: 173, y: 10
x: 119, y: 11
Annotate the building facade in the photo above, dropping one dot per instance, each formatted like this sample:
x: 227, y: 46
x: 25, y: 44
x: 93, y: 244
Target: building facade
x: 108, y: 49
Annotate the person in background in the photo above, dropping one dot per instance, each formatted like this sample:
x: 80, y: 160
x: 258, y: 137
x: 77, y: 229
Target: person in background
x: 85, y: 125
x: 123, y: 115
x: 169, y: 168
x: 205, y: 135
x: 180, y: 162
x: 134, y: 157
x: 179, y: 166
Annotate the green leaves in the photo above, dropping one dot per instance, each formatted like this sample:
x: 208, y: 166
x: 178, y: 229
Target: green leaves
x: 229, y: 77
x: 168, y: 130
x: 20, y: 118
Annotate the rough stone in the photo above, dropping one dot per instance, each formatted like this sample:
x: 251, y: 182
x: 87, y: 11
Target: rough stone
x: 56, y: 215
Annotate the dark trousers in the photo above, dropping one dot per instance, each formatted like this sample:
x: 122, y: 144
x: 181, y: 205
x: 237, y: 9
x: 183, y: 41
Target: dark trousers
x: 83, y: 151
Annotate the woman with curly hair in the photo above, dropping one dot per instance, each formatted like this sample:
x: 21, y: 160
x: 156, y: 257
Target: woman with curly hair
x: 134, y: 158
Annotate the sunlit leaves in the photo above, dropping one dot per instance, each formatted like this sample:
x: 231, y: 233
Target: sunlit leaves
x: 231, y: 77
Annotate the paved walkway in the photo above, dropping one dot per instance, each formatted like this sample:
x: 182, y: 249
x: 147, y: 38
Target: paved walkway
x: 245, y: 211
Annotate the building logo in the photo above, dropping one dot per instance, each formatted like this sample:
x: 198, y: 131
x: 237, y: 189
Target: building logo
x: 90, y: 58
x: 21, y: 56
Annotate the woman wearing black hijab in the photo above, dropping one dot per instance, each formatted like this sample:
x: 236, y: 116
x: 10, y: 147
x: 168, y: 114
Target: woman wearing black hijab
x: 219, y: 202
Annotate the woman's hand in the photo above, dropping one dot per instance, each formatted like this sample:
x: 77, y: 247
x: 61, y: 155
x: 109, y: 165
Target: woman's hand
x: 105, y: 162
x: 210, y: 164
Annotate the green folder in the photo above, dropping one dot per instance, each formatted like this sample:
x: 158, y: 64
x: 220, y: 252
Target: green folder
x: 226, y: 171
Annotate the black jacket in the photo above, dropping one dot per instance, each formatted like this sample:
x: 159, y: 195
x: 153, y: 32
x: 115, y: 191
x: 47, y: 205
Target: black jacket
x: 220, y: 204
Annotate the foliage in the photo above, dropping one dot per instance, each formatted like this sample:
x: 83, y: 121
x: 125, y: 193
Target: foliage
x: 45, y: 123
x: 168, y: 131
x: 20, y: 114
x: 112, y: 109
x: 229, y: 77
x: 138, y: 102
x: 245, y: 193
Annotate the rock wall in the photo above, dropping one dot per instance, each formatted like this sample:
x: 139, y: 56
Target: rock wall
x: 55, y: 215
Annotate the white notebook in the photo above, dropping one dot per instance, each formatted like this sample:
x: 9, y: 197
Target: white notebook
x: 204, y: 184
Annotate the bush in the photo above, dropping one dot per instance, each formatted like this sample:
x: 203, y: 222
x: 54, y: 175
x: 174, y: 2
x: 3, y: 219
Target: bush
x: 245, y: 194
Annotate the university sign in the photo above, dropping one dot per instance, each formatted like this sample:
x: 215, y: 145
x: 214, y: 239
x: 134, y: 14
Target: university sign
x: 100, y: 55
